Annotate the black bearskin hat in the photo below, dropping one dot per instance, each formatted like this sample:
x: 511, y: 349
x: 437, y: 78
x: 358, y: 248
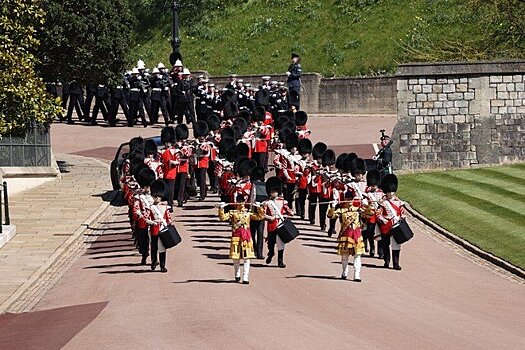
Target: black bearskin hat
x: 136, y: 143
x: 231, y: 154
x: 259, y: 114
x: 246, y: 115
x: 305, y: 146
x: 137, y: 154
x: 158, y: 188
x: 227, y: 132
x: 225, y: 144
x: 346, y: 165
x: 373, y: 177
x: 241, y: 122
x: 301, y: 118
x: 238, y: 162
x: 328, y: 157
x: 339, y: 161
x: 167, y: 134
x: 200, y: 128
x: 279, y: 122
x: 292, y: 141
x: 242, y: 149
x: 214, y: 122
x: 274, y: 184
x: 318, y: 150
x: 284, y: 134
x: 182, y: 132
x: 389, y: 183
x: 237, y: 132
x: 246, y: 167
x: 257, y: 174
x: 288, y: 125
x: 358, y: 166
x: 137, y: 165
x: 290, y: 116
x: 150, y: 147
x: 145, y: 177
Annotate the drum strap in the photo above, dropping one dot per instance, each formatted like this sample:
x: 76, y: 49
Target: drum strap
x: 159, y: 215
x: 277, y: 211
x: 394, y: 210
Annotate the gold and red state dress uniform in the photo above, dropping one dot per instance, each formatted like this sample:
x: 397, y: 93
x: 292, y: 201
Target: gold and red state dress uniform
x: 241, y: 245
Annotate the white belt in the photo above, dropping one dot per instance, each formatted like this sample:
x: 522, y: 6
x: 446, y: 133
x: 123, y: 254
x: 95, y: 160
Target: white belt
x: 119, y: 87
x: 135, y: 90
x: 156, y: 89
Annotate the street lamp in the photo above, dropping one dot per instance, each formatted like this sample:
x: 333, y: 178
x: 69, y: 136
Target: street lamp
x: 175, y: 42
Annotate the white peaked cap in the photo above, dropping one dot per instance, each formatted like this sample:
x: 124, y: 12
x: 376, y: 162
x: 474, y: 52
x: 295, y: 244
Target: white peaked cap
x: 161, y: 65
x: 140, y: 64
x: 178, y: 63
x: 186, y: 71
x: 156, y: 71
x: 135, y: 71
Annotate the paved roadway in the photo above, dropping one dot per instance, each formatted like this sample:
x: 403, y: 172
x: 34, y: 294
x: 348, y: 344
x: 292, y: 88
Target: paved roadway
x: 442, y: 299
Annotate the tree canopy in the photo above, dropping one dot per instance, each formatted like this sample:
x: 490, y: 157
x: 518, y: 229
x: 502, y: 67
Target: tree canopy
x: 84, y: 40
x: 23, y: 99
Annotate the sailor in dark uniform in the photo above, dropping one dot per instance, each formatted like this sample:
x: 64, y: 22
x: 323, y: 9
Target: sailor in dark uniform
x: 119, y: 98
x: 101, y: 103
x: 294, y: 81
x: 76, y: 99
x: 158, y: 98
x: 136, y: 104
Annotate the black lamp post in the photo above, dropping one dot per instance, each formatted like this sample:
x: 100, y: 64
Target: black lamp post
x: 175, y: 42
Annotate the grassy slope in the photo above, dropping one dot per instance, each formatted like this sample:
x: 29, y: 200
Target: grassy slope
x: 257, y: 36
x: 485, y: 206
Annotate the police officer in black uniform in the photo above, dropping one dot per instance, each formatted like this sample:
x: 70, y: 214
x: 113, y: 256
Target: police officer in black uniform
x: 294, y: 81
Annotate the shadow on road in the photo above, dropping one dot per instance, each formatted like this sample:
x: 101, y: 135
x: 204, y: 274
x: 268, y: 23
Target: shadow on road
x: 215, y: 281
x: 321, y: 277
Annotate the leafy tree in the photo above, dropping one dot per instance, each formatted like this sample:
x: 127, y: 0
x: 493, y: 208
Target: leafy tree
x: 23, y: 99
x: 84, y: 40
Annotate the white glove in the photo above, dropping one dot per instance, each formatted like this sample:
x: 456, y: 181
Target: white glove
x: 333, y: 203
x: 257, y: 204
x: 288, y: 73
x: 374, y: 158
x: 222, y: 204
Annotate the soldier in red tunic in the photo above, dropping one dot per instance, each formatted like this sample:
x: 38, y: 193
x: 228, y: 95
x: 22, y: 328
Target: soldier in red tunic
x: 305, y: 149
x: 141, y: 211
x: 313, y: 176
x: 202, y: 153
x: 159, y: 218
x: 392, y: 210
x: 276, y: 209
x: 372, y: 198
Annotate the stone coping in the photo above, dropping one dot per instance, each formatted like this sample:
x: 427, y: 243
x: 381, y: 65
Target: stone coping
x: 22, y: 172
x: 426, y: 69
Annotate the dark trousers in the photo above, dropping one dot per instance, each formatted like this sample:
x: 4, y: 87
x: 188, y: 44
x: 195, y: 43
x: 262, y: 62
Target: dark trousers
x: 180, y: 187
x: 136, y: 109
x: 313, y: 199
x: 295, y: 96
x: 171, y: 191
x: 300, y: 202
x: 185, y: 109
x: 87, y: 104
x: 155, y: 106
x: 147, y: 105
x: 141, y: 234
x: 100, y: 104
x: 259, y: 158
x: 200, y: 176
x: 290, y: 188
x: 211, y: 175
x: 272, y: 241
x: 115, y: 103
x: 154, y: 250
x: 74, y: 103
x: 385, y: 245
x: 257, y: 231
x: 323, y: 209
x: 368, y: 237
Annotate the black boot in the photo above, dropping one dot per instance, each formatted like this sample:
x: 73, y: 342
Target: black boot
x: 270, y: 256
x: 386, y: 257
x: 280, y: 259
x: 162, y: 258
x: 153, y: 262
x: 395, y: 258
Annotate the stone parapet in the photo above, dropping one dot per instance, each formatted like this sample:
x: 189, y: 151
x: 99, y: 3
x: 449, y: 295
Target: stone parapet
x: 461, y: 119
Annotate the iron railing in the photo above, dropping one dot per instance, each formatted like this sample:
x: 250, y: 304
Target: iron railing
x: 33, y: 149
x: 4, y: 202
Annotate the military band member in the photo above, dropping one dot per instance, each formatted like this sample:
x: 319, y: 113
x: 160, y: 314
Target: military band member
x: 158, y: 97
x: 349, y: 241
x: 185, y: 98
x: 276, y: 209
x: 185, y: 150
x: 119, y: 99
x: 313, y: 176
x: 371, y: 202
x: 202, y: 151
x: 326, y: 195
x: 141, y: 211
x: 76, y: 102
x: 101, y: 103
x: 153, y: 158
x: 258, y: 194
x: 136, y: 103
x: 170, y: 161
x: 305, y: 149
x: 392, y: 210
x: 384, y: 156
x: 241, y: 245
x: 159, y: 218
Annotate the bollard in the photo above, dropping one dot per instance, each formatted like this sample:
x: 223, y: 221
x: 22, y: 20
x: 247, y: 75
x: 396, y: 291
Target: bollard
x: 6, y: 205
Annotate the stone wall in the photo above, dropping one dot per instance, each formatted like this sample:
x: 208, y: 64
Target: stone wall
x: 375, y: 95
x: 458, y: 115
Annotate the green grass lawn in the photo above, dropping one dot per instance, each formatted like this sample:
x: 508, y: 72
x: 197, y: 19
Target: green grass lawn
x: 485, y: 206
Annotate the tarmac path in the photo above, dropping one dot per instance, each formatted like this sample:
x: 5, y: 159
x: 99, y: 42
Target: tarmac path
x: 444, y: 298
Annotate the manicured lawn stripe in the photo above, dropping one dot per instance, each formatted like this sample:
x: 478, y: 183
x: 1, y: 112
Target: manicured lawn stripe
x: 484, y: 206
